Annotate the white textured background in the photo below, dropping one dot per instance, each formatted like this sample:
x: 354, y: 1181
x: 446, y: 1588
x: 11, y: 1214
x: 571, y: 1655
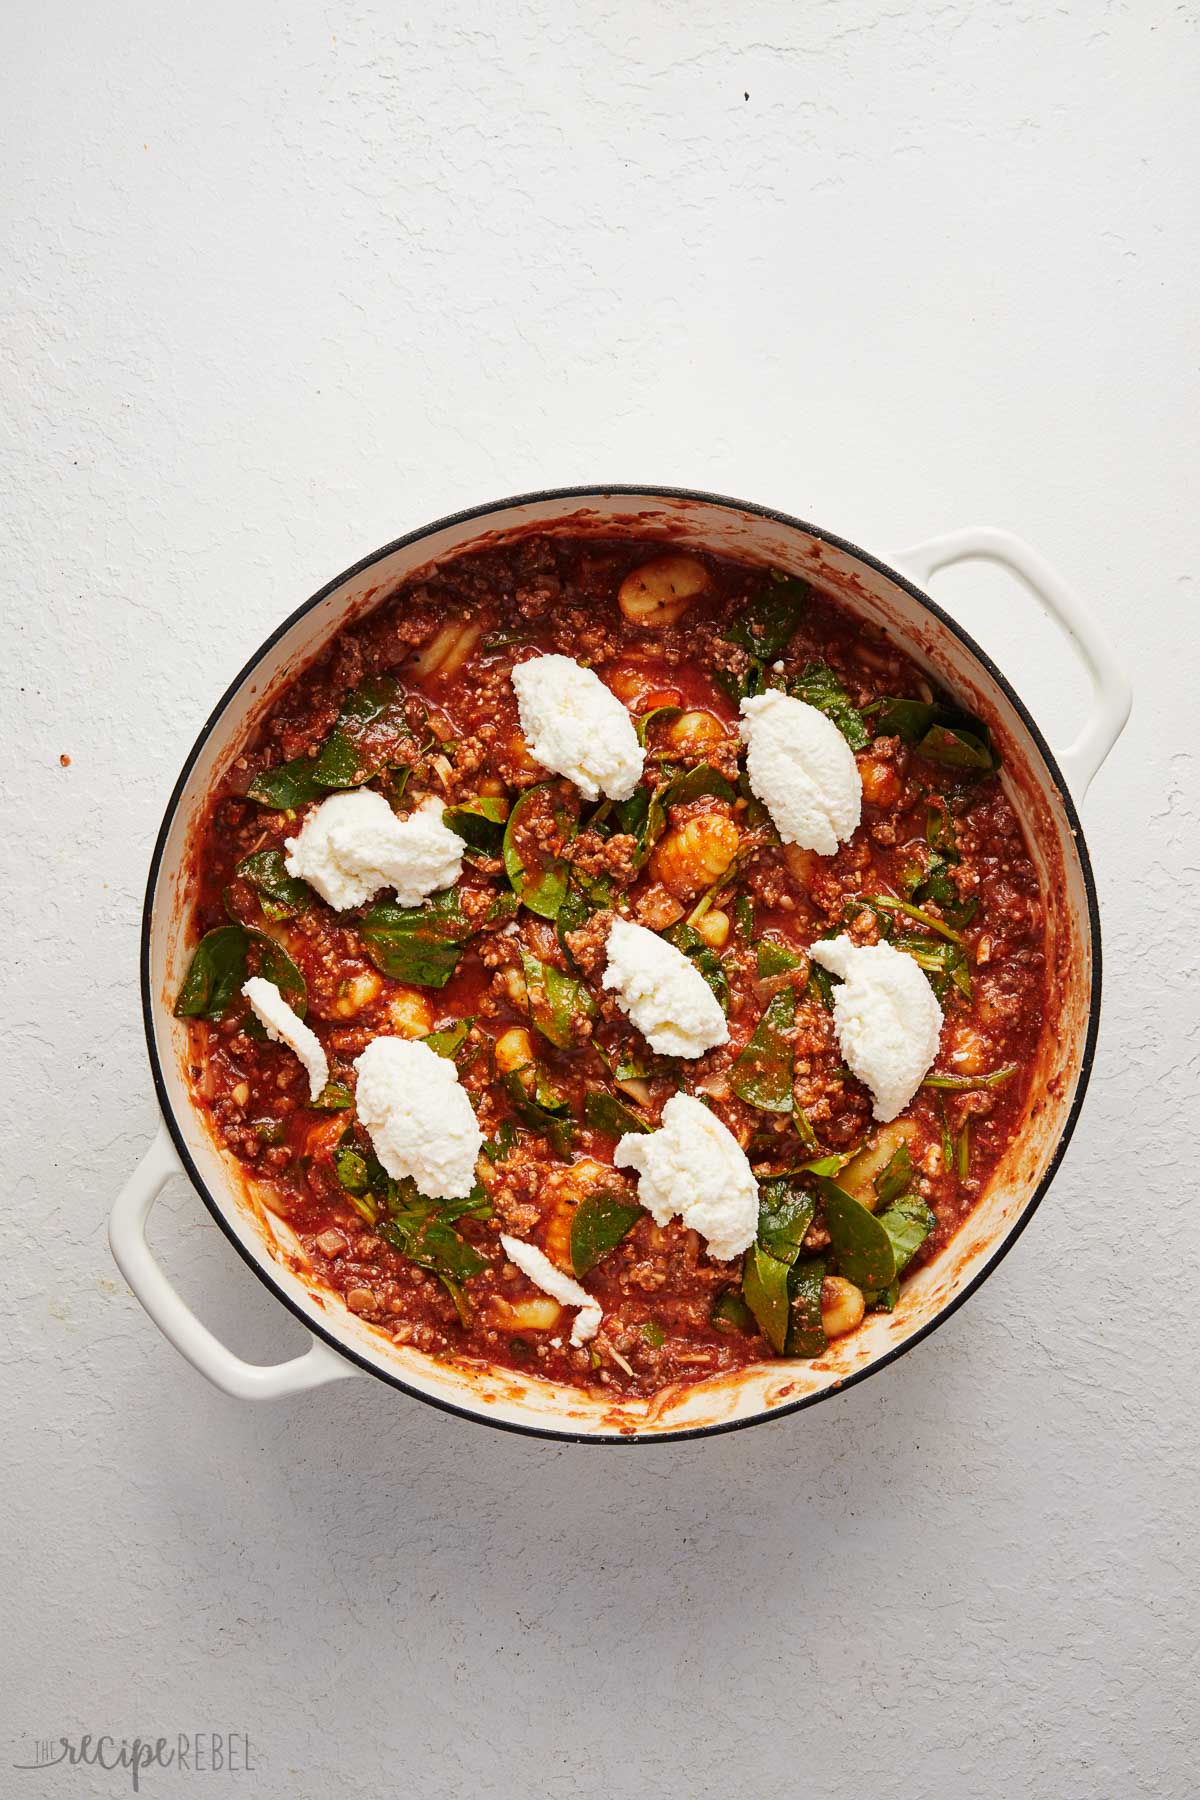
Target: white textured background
x: 282, y: 281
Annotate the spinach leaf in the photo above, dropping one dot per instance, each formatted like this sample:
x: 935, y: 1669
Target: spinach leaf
x: 860, y: 1243
x: 370, y: 733
x: 417, y: 944
x: 654, y: 1334
x: 831, y: 1164
x: 216, y: 974
x: 888, y: 903
x: 449, y: 1042
x: 286, y: 786
x: 279, y: 894
x: 765, y: 1291
x: 762, y: 1074
x: 729, y: 1309
x: 743, y: 914
x: 959, y: 747
x: 601, y: 1220
x: 633, y: 816
x: 693, y: 784
x: 940, y: 833
x: 947, y: 1140
x: 361, y: 1174
x: 351, y: 1170
x: 940, y: 732
x: 767, y: 622
x: 333, y: 1097
x: 422, y: 1230
x: 752, y: 681
x: 656, y: 715
x: 775, y: 958
x: 934, y: 882
x: 480, y: 822
x: 907, y: 1222
x: 544, y: 1110
x: 820, y: 986
x: 497, y: 1148
x: 804, y: 1130
x: 943, y: 963
x: 806, y: 1332
x: 931, y: 879
x: 219, y: 968
x: 391, y: 784
x: 541, y: 886
x: 699, y: 951
x: 555, y: 1001
x: 818, y: 685
x: 604, y: 1112
x: 894, y: 1179
x: 584, y: 896
x: 963, y: 1084
x: 785, y: 1213
x: 505, y: 906
x: 907, y: 719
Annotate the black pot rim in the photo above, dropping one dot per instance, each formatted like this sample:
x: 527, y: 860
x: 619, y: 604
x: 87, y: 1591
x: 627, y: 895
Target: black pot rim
x: 619, y: 491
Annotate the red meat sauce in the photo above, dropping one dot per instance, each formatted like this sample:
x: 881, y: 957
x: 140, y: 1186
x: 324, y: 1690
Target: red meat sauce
x: 658, y: 1287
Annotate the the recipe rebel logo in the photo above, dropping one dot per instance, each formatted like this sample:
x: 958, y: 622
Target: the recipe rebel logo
x: 188, y: 1753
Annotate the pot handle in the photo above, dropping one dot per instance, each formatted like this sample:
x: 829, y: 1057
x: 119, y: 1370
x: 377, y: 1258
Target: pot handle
x: 175, y: 1318
x: 1111, y: 694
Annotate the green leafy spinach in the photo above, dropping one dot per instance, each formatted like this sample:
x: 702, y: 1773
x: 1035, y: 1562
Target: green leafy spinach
x: 818, y: 685
x: 417, y: 944
x: 541, y: 883
x: 220, y: 965
x: 599, y: 1223
x: 280, y: 895
x: 762, y: 1074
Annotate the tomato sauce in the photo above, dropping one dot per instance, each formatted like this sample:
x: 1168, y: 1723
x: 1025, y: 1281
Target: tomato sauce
x: 938, y: 865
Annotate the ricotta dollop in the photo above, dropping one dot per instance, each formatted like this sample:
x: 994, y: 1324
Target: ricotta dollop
x: 542, y: 1272
x: 886, y: 1016
x: 577, y: 727
x: 283, y: 1025
x: 803, y: 770
x: 352, y: 845
x: 662, y: 992
x: 418, y: 1116
x: 695, y: 1168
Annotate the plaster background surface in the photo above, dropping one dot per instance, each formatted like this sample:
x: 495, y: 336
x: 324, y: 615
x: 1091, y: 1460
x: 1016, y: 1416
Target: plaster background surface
x: 280, y: 282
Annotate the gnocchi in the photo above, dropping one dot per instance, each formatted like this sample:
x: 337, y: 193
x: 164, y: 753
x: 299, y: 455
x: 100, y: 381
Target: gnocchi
x: 659, y: 592
x: 842, y: 1306
x: 695, y: 734
x: 693, y: 855
x: 447, y: 650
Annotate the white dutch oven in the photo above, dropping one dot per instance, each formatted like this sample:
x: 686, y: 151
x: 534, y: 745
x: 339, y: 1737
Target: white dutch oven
x: 1043, y: 788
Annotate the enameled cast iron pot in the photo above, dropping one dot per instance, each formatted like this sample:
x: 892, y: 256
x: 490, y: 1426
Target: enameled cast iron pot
x: 1044, y: 789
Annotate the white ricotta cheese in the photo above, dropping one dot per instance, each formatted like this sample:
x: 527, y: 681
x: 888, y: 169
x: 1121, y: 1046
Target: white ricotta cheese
x: 803, y: 770
x: 353, y: 844
x: 542, y: 1272
x: 577, y: 727
x: 694, y: 1167
x: 886, y: 1016
x: 662, y: 992
x: 285, y: 1026
x: 418, y: 1116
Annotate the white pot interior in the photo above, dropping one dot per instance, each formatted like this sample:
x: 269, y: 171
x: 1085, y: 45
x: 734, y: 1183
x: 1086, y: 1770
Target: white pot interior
x: 502, y: 1395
